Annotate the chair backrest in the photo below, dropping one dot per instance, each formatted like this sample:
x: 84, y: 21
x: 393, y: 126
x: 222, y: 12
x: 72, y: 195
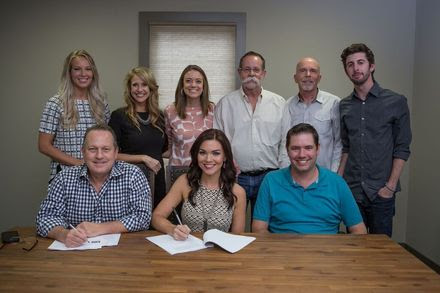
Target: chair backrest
x: 150, y: 178
x: 172, y: 173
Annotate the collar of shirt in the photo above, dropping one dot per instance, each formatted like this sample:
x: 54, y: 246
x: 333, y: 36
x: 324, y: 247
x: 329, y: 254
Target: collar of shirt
x: 374, y: 91
x: 116, y: 171
x: 296, y: 184
x: 246, y: 97
x: 319, y: 98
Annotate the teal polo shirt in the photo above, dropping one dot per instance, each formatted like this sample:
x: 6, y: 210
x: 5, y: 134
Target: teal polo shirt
x: 318, y: 209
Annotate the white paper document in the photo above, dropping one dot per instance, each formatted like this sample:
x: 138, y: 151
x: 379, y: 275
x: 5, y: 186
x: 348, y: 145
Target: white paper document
x: 172, y: 246
x: 227, y: 241
x: 96, y: 242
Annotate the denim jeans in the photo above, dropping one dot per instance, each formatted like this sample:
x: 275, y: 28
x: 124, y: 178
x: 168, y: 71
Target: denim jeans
x: 377, y: 214
x: 251, y: 185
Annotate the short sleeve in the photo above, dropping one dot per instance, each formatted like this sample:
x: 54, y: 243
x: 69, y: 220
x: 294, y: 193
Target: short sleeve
x: 50, y: 119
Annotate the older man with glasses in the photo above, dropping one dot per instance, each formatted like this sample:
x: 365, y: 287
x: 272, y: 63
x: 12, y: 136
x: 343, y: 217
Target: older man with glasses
x: 251, y: 119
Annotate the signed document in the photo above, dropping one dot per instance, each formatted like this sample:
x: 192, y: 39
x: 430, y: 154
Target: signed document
x: 229, y: 242
x: 96, y: 242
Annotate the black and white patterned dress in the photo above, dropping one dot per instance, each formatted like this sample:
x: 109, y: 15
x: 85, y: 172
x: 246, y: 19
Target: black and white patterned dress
x: 209, y: 203
x: 68, y: 141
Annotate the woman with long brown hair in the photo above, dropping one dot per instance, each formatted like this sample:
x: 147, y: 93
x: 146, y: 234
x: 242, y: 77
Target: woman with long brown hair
x: 211, y: 197
x: 190, y: 114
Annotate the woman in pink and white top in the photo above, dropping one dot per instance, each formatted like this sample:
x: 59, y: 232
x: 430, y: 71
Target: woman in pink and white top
x: 190, y: 114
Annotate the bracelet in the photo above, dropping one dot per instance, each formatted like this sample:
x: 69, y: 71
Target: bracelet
x: 387, y: 187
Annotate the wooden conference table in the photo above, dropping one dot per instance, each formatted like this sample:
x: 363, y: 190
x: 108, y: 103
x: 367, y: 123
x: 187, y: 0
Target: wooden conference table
x: 272, y: 263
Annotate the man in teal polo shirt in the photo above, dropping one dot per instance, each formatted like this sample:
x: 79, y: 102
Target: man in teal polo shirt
x: 304, y: 197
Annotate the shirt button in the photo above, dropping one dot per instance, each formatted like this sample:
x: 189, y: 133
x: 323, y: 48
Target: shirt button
x: 362, y: 134
x: 363, y: 103
x: 362, y: 118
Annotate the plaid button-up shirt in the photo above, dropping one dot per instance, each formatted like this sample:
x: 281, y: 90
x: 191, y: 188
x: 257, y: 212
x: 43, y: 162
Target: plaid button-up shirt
x: 125, y: 197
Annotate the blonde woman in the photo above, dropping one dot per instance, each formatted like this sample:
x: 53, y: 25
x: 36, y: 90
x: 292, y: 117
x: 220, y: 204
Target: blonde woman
x: 140, y: 126
x: 79, y: 104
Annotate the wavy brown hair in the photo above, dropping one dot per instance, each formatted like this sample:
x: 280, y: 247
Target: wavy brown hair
x: 180, y: 100
x: 152, y: 106
x: 228, y: 173
x: 96, y: 96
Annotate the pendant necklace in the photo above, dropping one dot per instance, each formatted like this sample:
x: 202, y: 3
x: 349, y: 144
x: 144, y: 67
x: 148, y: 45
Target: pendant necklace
x: 143, y: 121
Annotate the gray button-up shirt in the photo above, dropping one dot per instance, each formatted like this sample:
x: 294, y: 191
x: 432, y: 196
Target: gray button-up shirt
x: 323, y: 114
x: 373, y: 133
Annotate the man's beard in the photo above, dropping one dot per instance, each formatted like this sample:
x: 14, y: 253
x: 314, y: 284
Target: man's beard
x: 359, y: 82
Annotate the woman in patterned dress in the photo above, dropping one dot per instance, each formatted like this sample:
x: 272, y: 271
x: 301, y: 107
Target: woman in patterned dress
x: 211, y: 197
x: 79, y: 104
x: 189, y: 115
x: 140, y: 127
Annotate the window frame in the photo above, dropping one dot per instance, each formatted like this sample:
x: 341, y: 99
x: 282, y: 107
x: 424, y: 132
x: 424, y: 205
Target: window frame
x: 236, y: 19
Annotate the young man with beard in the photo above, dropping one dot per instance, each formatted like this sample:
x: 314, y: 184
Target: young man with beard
x: 304, y: 197
x: 376, y: 135
x: 251, y: 119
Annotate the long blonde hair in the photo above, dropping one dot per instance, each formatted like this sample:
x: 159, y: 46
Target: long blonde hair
x: 152, y: 105
x: 95, y: 95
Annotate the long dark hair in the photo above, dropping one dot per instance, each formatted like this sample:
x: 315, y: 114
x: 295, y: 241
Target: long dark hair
x: 228, y: 174
x: 180, y: 100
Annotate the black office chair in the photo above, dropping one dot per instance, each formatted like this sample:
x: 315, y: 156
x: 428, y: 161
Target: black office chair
x: 150, y: 178
x: 172, y: 173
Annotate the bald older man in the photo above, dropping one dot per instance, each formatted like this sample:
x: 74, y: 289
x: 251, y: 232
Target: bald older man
x: 316, y: 107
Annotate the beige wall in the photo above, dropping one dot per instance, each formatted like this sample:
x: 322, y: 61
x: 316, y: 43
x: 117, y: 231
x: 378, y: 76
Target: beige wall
x: 37, y: 35
x: 423, y: 229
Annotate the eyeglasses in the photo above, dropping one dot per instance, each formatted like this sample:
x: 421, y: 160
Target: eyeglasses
x: 249, y: 70
x: 26, y: 243
x: 30, y: 243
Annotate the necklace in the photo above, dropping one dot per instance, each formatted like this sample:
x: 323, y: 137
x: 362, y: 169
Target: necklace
x: 206, y: 217
x: 143, y: 121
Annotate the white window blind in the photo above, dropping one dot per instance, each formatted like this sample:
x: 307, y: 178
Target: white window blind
x: 173, y: 47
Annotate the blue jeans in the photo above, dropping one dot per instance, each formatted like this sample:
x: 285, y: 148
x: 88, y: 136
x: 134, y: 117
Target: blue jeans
x: 377, y: 214
x: 251, y: 185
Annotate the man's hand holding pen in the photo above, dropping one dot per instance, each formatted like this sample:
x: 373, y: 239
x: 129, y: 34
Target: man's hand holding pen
x: 75, y: 237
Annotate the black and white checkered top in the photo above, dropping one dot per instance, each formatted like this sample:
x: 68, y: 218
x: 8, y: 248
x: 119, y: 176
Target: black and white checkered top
x: 68, y: 141
x: 125, y: 197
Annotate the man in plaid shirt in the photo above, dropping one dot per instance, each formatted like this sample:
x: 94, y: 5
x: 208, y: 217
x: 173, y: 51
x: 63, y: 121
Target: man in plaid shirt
x: 103, y: 196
